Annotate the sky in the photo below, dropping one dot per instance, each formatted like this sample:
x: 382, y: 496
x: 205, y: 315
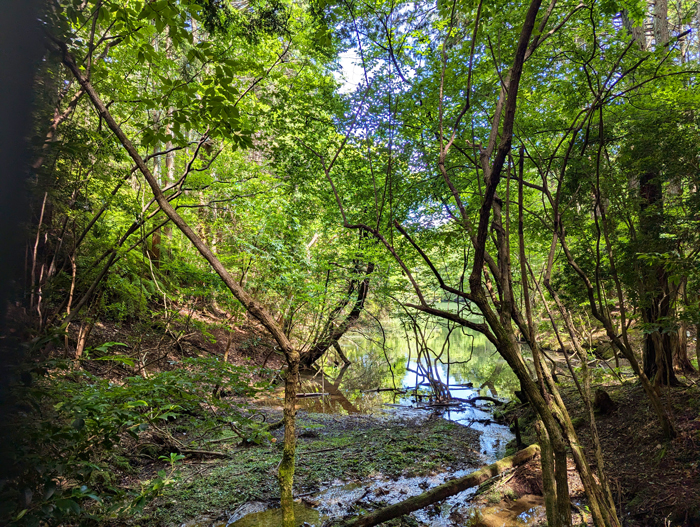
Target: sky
x: 352, y: 74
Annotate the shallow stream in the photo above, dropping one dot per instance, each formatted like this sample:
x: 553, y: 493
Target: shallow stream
x: 467, y: 366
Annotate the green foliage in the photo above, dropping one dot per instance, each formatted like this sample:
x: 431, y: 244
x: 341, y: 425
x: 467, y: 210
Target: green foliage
x: 298, y: 186
x: 85, y: 431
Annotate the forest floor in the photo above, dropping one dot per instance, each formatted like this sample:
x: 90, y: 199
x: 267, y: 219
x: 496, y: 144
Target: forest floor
x: 333, y: 451
x: 655, y: 482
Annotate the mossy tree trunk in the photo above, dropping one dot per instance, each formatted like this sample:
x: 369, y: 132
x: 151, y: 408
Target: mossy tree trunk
x: 286, y: 468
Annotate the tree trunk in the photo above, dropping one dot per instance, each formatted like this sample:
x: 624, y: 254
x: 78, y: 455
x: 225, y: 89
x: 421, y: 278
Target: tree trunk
x: 83, y: 335
x: 286, y: 468
x: 658, y: 359
x: 656, y: 301
x: 548, y: 483
x: 681, y: 359
x: 661, y: 34
x: 636, y: 31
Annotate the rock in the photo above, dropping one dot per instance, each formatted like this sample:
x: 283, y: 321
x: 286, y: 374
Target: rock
x: 603, y: 404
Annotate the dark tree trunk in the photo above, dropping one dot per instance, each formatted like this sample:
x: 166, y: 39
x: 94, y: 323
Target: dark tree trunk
x: 656, y: 301
x: 680, y: 351
x: 658, y: 353
x: 332, y: 332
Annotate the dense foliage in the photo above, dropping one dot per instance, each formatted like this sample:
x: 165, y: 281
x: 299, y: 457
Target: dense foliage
x: 571, y: 197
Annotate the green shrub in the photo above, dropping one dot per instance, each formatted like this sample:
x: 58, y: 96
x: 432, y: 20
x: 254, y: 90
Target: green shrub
x: 81, y: 431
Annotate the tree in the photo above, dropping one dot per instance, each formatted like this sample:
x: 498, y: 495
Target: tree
x: 164, y: 107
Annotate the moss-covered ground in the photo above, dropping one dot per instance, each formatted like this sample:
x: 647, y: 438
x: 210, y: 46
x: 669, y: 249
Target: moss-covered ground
x: 331, y: 448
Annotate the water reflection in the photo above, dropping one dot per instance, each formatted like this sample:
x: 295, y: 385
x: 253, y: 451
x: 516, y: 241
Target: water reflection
x: 468, y: 365
x: 399, y: 367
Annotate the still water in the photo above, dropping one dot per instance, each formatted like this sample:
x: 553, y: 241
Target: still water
x: 393, y: 369
x: 465, y: 364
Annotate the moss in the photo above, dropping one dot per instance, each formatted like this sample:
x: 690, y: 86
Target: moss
x: 346, y: 448
x: 510, y: 494
x: 493, y: 497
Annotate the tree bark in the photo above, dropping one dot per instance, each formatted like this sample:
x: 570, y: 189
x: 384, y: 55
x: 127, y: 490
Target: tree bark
x: 286, y: 468
x: 549, y: 485
x: 657, y: 352
x: 661, y: 34
x: 636, y: 31
x: 680, y: 353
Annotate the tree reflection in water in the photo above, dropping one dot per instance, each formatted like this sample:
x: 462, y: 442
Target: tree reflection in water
x: 424, y: 356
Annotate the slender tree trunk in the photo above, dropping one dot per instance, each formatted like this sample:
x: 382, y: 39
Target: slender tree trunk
x: 286, y: 468
x: 83, y: 335
x: 548, y: 483
x: 636, y: 31
x: 661, y: 34
x: 561, y: 514
x: 155, y: 237
x: 680, y: 356
x: 32, y: 275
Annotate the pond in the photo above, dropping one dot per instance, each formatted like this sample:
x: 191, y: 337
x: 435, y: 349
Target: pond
x: 463, y: 363
x: 394, y: 370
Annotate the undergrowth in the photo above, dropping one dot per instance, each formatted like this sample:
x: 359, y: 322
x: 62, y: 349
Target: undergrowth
x: 84, y: 439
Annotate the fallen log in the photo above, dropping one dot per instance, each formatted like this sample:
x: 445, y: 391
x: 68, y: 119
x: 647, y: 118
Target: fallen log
x: 377, y: 390
x: 437, y: 405
x: 444, y: 491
